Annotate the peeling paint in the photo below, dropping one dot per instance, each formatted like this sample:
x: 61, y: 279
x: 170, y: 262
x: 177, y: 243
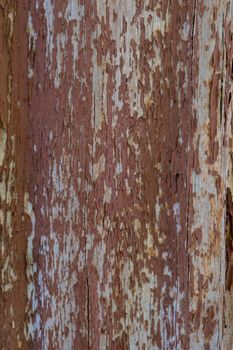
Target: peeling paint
x: 115, y: 146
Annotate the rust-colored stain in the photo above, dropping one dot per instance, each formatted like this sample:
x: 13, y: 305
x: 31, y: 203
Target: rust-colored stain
x: 115, y: 157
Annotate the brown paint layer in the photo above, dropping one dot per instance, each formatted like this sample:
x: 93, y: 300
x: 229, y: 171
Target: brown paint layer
x: 115, y: 146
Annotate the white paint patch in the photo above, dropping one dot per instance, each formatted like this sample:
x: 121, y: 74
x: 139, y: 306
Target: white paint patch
x: 30, y: 72
x: 119, y: 169
x: 74, y: 10
x: 60, y: 62
x: 31, y: 269
x: 8, y: 276
x: 48, y: 8
x: 11, y: 18
x: 137, y: 227
x: 128, y: 188
x: 31, y: 41
x: 180, y: 138
x: 11, y: 179
x: 32, y: 33
x: 107, y: 194
x: 3, y: 140
x: 185, y: 31
x: 98, y: 258
x: 176, y: 211
x: 9, y: 223
x: 151, y: 248
x: 99, y: 167
x: 157, y: 211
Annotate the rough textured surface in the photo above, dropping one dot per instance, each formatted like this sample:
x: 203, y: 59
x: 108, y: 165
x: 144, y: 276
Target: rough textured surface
x: 115, y: 157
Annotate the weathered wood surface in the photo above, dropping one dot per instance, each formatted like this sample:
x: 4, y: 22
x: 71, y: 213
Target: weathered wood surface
x: 115, y: 157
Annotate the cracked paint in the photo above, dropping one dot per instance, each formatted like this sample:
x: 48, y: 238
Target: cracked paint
x: 115, y: 156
